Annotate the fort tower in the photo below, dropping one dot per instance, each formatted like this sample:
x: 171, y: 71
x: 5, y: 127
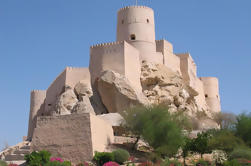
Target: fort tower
x: 135, y: 25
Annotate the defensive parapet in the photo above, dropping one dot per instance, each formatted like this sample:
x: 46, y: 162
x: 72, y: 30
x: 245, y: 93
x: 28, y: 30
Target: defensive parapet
x: 135, y: 25
x: 170, y: 60
x: 120, y: 57
x: 37, y: 98
x: 69, y: 77
x: 211, y: 89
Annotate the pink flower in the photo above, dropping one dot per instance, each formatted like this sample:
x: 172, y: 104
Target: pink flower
x: 57, y: 159
x: 12, y: 165
x: 111, y: 163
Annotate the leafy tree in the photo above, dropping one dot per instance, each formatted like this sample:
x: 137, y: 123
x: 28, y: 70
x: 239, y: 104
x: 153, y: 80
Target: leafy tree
x: 201, y: 143
x: 187, y: 146
x: 224, y: 140
x: 162, y: 130
x: 243, y: 128
x: 225, y: 120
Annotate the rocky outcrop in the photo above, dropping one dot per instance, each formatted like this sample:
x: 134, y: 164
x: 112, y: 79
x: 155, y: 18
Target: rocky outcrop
x: 83, y: 89
x: 66, y: 102
x: 163, y: 86
x: 83, y: 106
x: 117, y: 94
x: 114, y: 119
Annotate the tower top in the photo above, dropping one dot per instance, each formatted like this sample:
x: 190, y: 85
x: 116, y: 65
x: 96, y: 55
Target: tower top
x: 128, y: 7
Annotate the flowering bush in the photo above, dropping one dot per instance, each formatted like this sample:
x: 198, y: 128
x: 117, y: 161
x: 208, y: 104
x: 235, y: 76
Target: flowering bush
x: 12, y: 165
x: 219, y: 156
x: 57, y: 159
x: 111, y: 163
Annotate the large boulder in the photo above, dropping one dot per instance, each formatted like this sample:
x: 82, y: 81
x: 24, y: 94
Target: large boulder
x: 83, y: 106
x: 114, y: 119
x: 83, y: 89
x: 117, y: 94
x: 66, y: 102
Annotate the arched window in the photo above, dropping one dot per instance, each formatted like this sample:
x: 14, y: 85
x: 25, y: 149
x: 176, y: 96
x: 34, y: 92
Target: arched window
x: 133, y: 37
x: 147, y: 21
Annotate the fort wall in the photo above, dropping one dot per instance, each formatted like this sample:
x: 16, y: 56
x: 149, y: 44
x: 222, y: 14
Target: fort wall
x: 37, y: 98
x: 169, y: 58
x: 101, y: 134
x: 120, y: 57
x: 188, y: 69
x: 69, y: 77
x: 211, y: 89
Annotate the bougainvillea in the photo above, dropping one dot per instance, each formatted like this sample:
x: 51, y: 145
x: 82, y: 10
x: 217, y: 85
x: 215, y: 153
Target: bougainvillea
x: 57, y: 159
x: 111, y: 163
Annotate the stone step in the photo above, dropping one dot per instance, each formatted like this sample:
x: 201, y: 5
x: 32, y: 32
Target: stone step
x: 22, y: 151
x: 14, y: 157
x: 25, y: 147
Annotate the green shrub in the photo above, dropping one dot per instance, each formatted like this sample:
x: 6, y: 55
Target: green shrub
x: 57, y: 163
x: 3, y: 163
x: 243, y: 128
x: 232, y: 163
x: 103, y: 157
x: 121, y: 155
x: 168, y: 162
x: 241, y: 153
x: 202, y: 162
x: 37, y: 158
x: 159, y: 128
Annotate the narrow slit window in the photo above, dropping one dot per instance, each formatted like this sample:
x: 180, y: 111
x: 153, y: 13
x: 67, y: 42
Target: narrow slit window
x: 147, y: 21
x: 206, y: 96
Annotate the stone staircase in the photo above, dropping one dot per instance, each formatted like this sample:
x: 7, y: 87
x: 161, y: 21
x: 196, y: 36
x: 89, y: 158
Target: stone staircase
x: 15, y: 154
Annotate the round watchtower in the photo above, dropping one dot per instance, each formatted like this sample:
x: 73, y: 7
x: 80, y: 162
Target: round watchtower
x: 37, y: 98
x: 211, y: 90
x: 135, y: 25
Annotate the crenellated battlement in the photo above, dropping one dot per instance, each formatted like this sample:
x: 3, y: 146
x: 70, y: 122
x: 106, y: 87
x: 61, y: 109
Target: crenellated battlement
x: 107, y: 44
x: 128, y: 7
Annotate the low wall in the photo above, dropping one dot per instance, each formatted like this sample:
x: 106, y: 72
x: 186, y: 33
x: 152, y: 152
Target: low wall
x: 72, y: 137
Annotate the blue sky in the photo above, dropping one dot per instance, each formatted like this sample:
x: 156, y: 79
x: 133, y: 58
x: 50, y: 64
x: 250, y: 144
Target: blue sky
x: 39, y: 38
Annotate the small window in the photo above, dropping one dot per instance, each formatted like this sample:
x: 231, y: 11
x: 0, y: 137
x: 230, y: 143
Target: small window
x: 49, y: 104
x: 147, y: 21
x: 133, y: 37
x: 122, y: 21
x: 206, y: 96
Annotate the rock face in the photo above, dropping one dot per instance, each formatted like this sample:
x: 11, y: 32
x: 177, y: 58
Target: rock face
x: 115, y: 119
x: 82, y: 89
x: 117, y: 94
x: 163, y: 86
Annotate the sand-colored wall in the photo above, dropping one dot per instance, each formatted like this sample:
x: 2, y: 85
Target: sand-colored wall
x: 188, y: 69
x: 65, y: 136
x: 132, y: 66
x: 211, y: 89
x: 72, y: 137
x: 76, y: 74
x: 120, y: 57
x: 69, y: 77
x: 101, y: 134
x: 37, y: 99
x: 200, y: 99
x: 108, y: 56
x: 169, y: 58
x: 138, y: 21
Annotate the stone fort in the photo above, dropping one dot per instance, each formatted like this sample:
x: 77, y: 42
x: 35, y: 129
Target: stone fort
x: 77, y: 136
